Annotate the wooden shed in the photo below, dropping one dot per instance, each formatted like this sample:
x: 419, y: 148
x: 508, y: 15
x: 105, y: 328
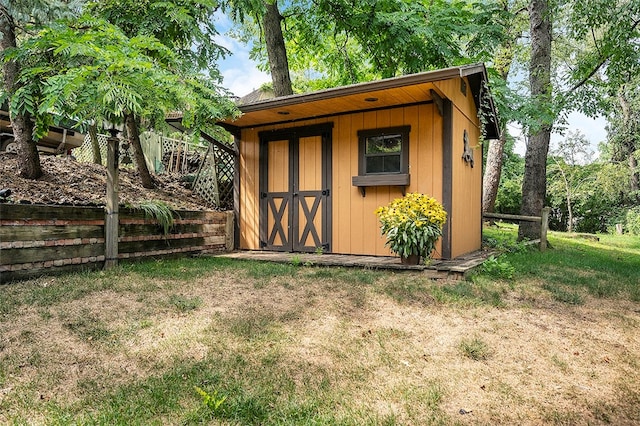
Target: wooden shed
x: 314, y: 167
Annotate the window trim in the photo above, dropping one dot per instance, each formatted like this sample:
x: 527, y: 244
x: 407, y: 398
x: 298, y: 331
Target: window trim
x: 400, y: 178
x: 404, y: 150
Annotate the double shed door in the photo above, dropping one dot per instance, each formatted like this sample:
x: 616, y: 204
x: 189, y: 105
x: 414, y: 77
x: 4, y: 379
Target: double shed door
x: 295, y: 189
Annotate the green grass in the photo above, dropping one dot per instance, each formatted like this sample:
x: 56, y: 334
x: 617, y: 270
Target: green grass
x: 574, y: 268
x: 245, y: 362
x: 474, y: 348
x: 185, y: 303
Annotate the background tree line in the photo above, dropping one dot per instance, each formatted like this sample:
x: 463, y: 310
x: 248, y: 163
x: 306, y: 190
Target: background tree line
x: 131, y: 62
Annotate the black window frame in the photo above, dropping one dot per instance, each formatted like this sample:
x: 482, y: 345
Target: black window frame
x: 363, y: 135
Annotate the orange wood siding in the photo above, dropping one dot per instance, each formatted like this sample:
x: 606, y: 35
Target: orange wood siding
x: 310, y: 163
x: 464, y: 103
x: 278, y: 166
x: 355, y: 226
x: 249, y: 217
x: 466, y: 224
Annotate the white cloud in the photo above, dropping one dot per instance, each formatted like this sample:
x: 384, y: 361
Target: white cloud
x: 240, y: 74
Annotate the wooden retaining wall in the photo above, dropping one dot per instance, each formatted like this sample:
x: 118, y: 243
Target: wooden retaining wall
x: 42, y: 240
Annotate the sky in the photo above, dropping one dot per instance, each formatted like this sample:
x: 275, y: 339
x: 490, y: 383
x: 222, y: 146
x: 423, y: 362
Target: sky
x: 242, y: 76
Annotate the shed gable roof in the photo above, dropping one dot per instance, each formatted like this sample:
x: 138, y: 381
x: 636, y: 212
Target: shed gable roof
x: 391, y: 92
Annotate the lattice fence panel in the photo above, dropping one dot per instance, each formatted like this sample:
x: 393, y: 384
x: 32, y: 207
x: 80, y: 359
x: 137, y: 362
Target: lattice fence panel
x: 206, y: 182
x: 225, y: 170
x: 214, y: 181
x: 84, y: 153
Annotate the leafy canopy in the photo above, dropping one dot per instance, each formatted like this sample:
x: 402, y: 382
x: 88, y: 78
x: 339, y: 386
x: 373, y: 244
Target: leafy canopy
x: 90, y: 68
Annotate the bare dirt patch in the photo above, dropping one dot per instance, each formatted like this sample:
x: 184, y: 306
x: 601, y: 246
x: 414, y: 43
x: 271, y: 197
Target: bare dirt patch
x: 69, y: 182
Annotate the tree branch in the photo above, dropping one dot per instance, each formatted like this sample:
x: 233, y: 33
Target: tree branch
x: 604, y: 60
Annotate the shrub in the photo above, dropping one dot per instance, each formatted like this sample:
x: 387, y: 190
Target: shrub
x: 498, y: 268
x: 633, y: 221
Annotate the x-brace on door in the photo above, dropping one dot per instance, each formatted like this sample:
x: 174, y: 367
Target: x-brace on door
x: 295, y: 189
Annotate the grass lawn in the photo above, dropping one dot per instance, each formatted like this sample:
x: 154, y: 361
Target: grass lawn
x: 533, y: 338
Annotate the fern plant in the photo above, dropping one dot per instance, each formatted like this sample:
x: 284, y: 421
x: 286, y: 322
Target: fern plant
x: 160, y: 211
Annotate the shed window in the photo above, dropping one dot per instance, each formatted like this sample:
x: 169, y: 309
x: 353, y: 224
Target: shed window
x: 384, y: 151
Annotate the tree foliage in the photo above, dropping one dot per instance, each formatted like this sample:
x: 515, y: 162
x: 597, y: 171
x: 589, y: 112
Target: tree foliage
x: 89, y: 68
x: 337, y: 42
x: 18, y: 20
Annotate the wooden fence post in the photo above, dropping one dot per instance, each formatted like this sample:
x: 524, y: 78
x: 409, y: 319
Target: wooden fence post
x: 544, y: 226
x: 229, y: 231
x: 111, y: 223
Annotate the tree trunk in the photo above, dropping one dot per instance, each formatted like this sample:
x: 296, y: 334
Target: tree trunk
x: 276, y: 50
x: 492, y: 173
x: 95, y: 144
x: 534, y: 185
x: 493, y: 166
x: 133, y: 136
x: 28, y: 158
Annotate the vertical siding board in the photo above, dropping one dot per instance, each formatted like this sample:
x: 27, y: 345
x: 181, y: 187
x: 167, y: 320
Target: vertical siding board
x: 342, y: 172
x: 467, y: 201
x: 419, y: 148
x: 245, y: 206
x: 436, y: 153
x: 357, y: 202
x: 249, y: 163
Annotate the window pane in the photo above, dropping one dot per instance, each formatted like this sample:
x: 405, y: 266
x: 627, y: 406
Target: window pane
x: 384, y: 144
x: 375, y: 164
x: 392, y: 164
x: 383, y: 164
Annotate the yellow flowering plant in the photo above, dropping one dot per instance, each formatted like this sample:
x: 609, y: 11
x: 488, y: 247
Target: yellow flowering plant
x: 412, y: 224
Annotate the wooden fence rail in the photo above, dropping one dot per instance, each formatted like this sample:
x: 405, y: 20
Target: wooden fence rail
x: 42, y: 240
x: 543, y: 219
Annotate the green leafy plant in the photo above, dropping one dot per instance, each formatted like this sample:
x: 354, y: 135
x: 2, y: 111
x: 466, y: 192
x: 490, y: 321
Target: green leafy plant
x: 633, y: 221
x: 412, y: 224
x: 498, y: 267
x: 212, y: 401
x: 160, y: 211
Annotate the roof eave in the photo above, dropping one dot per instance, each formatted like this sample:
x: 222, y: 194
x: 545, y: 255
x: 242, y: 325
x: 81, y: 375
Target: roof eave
x: 354, y: 89
x: 475, y: 73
